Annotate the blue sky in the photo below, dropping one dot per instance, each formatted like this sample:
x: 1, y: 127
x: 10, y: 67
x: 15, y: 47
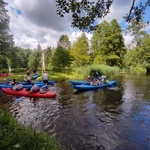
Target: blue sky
x: 35, y: 21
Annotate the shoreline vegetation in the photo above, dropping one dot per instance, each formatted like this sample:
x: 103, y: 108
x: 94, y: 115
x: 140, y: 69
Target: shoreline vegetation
x: 15, y: 136
x: 77, y: 73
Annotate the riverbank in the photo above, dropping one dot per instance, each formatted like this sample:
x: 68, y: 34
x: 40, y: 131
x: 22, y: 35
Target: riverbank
x: 15, y: 136
x: 74, y: 73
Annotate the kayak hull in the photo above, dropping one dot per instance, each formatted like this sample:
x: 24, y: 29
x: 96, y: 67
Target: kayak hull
x: 37, y: 82
x: 79, y: 82
x: 25, y: 93
x: 88, y: 87
x: 5, y: 75
x: 25, y: 86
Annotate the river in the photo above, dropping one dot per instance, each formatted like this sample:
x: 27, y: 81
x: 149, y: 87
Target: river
x: 116, y: 118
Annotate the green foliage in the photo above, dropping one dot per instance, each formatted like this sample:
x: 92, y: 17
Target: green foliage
x: 99, y: 59
x: 137, y: 70
x: 14, y: 136
x: 64, y: 42
x: 84, y: 12
x: 6, y: 40
x: 91, y: 69
x: 35, y: 59
x: 61, y: 59
x: 140, y: 56
x: 18, y: 58
x: 48, y: 57
x: 3, y: 62
x: 138, y: 32
x: 19, y: 70
x: 108, y: 44
x: 79, y: 51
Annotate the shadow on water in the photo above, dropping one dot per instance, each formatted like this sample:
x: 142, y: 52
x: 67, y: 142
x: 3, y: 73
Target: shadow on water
x: 112, y: 118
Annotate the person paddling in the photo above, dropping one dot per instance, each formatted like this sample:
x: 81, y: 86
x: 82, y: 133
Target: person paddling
x: 34, y: 88
x: 28, y: 78
x: 17, y: 87
x: 13, y: 82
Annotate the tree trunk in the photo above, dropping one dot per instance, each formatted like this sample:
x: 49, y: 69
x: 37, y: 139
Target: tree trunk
x: 148, y: 71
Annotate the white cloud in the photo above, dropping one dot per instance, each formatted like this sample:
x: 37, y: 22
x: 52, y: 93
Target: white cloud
x: 35, y: 21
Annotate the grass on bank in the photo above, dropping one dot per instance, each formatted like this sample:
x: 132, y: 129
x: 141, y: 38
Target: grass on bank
x: 79, y: 73
x: 16, y: 137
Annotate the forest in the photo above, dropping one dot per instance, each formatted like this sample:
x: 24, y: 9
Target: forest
x: 106, y: 47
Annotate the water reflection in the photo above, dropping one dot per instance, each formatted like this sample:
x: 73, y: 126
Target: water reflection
x: 114, y: 118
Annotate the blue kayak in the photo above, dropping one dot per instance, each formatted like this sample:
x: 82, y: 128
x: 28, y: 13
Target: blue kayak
x: 37, y: 82
x: 25, y: 86
x: 35, y: 76
x: 88, y: 87
x: 79, y: 82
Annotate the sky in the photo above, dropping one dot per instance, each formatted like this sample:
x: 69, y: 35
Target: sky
x: 34, y: 22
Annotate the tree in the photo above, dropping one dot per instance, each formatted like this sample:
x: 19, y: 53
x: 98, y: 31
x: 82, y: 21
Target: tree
x: 85, y: 12
x: 6, y: 40
x: 79, y: 51
x: 61, y: 59
x: 64, y: 42
x: 137, y: 31
x: 139, y: 56
x: 48, y: 56
x: 35, y: 59
x: 118, y: 49
x: 108, y: 44
x: 19, y: 57
x: 145, y: 55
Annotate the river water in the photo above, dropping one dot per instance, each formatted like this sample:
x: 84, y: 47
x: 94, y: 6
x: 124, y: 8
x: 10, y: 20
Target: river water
x: 117, y: 118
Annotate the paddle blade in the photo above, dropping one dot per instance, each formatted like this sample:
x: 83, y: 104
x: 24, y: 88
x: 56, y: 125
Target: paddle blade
x: 20, y: 98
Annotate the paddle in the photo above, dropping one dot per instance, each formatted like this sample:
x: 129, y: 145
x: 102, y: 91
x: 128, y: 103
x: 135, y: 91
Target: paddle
x: 20, y: 98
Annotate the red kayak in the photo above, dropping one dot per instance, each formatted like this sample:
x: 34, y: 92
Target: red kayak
x: 23, y: 92
x: 5, y: 74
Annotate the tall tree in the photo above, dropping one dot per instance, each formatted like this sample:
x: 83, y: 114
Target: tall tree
x: 108, y: 44
x: 139, y: 56
x: 48, y: 57
x: 35, y: 59
x: 61, y: 59
x: 100, y: 42
x: 79, y: 51
x: 64, y: 42
x: 118, y: 50
x: 19, y: 57
x: 137, y: 30
x: 6, y: 40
